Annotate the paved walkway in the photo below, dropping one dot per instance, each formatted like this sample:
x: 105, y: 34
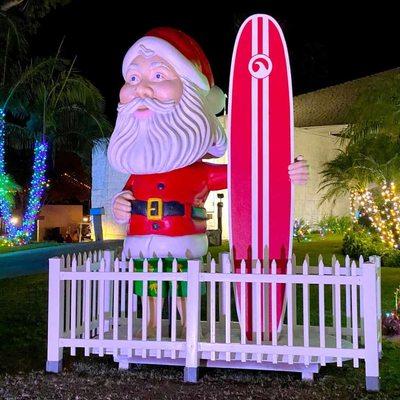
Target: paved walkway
x: 34, y: 261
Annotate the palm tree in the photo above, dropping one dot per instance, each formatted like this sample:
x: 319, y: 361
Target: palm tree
x: 60, y: 110
x: 368, y: 168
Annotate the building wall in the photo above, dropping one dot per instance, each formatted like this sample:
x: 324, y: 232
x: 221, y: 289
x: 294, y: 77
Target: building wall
x: 316, y: 144
x: 63, y: 216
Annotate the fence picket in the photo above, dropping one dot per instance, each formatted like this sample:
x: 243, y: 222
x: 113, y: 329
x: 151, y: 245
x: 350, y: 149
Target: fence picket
x: 213, y: 309
x: 73, y: 304
x: 243, y: 355
x: 274, y: 325
x: 338, y: 314
x: 208, y: 293
x: 333, y: 294
x: 87, y: 300
x: 67, y: 327
x: 306, y: 312
x: 108, y: 257
x: 123, y: 267
x: 321, y: 305
x: 130, y: 321
x: 101, y: 307
x: 257, y: 308
x: 361, y: 297
x: 173, y: 307
x: 289, y: 291
x: 354, y: 309
x: 116, y: 306
x: 159, y: 308
x: 68, y: 261
x: 294, y: 292
x: 227, y: 302
x: 348, y: 297
x: 145, y: 302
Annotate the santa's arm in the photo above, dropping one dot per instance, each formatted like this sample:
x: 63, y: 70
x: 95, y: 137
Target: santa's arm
x: 217, y: 176
x: 121, y: 203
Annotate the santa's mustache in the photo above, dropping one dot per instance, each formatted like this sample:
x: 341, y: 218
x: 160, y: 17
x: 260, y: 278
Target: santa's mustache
x: 152, y: 104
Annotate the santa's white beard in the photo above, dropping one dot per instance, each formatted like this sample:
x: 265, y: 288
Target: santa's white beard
x: 174, y: 136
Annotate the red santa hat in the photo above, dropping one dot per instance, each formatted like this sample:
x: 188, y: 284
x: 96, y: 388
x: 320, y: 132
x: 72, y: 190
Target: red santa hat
x: 185, y: 55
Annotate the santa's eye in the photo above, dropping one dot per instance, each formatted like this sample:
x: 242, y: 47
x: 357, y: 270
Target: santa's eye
x: 134, y: 79
x: 158, y: 76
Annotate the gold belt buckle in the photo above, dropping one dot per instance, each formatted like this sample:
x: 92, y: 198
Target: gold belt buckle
x: 154, y: 208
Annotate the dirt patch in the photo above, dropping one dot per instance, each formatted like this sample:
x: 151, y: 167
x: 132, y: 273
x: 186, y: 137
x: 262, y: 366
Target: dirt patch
x: 83, y: 380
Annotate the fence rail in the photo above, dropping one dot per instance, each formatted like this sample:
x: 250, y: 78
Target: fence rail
x: 92, y: 305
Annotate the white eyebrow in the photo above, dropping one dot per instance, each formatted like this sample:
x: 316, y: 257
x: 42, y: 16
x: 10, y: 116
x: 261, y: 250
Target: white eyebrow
x: 158, y: 64
x: 133, y: 66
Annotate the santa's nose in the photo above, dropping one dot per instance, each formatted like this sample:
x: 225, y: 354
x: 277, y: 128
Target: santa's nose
x: 144, y: 90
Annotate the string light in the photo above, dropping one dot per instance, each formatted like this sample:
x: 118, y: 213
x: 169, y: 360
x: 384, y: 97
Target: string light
x: 384, y: 215
x: 76, y: 181
x: 5, y: 205
x: 38, y: 184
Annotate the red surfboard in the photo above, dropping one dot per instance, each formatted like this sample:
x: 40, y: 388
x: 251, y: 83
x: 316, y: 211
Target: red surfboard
x: 261, y: 148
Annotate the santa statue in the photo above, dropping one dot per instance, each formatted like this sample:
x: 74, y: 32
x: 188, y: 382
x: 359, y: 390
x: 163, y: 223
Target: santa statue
x: 166, y: 126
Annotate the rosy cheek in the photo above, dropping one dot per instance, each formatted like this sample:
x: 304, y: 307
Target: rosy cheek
x: 170, y: 90
x: 126, y: 94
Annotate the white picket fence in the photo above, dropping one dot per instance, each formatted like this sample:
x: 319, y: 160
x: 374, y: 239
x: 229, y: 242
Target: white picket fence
x: 92, y: 306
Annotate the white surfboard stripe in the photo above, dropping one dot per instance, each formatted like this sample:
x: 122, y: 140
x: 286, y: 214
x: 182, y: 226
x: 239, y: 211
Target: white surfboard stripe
x: 265, y: 149
x: 254, y: 146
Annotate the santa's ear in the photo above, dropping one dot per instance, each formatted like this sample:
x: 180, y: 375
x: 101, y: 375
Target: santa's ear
x: 216, y: 100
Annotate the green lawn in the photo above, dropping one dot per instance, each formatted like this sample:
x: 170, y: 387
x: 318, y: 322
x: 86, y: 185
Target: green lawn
x: 23, y: 329
x: 327, y: 246
x: 34, y: 245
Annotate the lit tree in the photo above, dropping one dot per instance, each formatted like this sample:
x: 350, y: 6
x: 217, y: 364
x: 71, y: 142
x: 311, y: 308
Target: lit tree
x: 52, y: 105
x: 368, y: 167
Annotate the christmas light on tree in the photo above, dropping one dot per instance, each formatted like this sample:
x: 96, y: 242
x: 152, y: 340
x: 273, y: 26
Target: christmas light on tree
x: 5, y: 205
x: 384, y: 216
x: 37, y: 187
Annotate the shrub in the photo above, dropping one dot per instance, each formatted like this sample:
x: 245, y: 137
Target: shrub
x: 334, y: 224
x: 301, y: 230
x: 391, y: 258
x: 360, y: 242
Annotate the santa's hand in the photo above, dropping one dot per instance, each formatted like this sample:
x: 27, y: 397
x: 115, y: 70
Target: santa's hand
x: 298, y: 171
x: 121, y: 207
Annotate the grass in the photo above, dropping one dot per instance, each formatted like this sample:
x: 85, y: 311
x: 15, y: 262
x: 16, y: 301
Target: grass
x: 30, y: 246
x: 327, y: 246
x: 23, y: 331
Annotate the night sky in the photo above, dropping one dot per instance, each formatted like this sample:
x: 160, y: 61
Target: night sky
x: 327, y: 43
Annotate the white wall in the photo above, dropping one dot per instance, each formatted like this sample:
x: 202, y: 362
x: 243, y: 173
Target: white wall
x: 316, y: 144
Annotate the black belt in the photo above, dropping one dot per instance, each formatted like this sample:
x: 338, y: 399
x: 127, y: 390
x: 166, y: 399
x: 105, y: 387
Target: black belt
x: 156, y: 209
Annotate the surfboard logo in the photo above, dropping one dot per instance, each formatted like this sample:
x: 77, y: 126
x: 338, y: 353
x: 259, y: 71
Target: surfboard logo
x: 260, y: 66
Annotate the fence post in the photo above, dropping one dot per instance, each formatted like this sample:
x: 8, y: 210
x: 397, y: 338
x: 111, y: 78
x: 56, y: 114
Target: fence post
x: 377, y: 260
x: 192, y: 322
x: 54, y: 351
x: 370, y: 299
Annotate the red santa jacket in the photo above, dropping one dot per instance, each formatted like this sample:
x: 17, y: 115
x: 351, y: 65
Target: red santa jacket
x: 182, y: 191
